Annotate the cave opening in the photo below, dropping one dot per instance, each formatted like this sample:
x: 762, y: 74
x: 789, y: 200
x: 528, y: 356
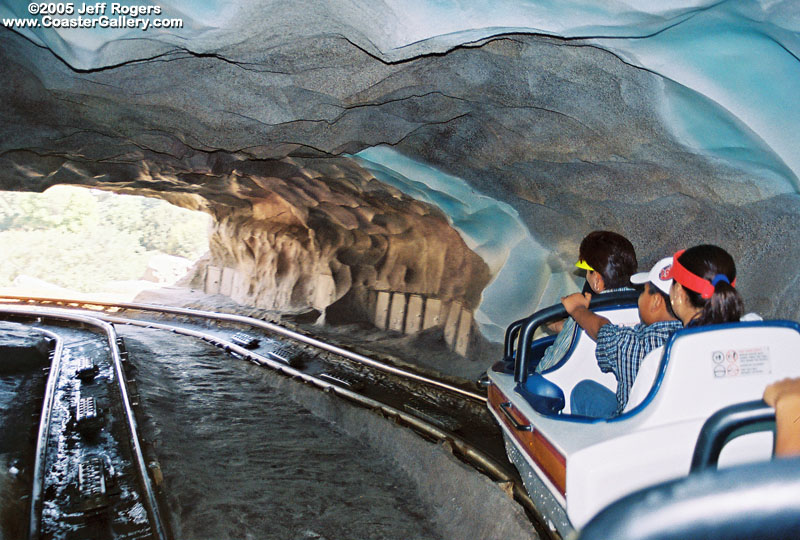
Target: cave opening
x: 71, y: 240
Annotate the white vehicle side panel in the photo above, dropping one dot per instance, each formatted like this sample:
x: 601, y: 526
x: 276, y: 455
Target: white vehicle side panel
x: 606, y: 460
x: 601, y: 474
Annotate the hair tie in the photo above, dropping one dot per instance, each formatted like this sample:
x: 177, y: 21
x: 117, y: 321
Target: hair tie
x: 718, y: 278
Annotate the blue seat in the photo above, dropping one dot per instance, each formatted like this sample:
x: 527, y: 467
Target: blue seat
x: 544, y: 396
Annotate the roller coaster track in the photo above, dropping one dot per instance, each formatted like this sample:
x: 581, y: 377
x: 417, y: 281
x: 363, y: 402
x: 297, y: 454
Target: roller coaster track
x: 90, y: 476
x: 255, y: 323
x: 281, y: 358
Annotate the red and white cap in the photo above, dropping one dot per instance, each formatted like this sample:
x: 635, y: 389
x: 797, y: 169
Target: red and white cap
x: 659, y: 275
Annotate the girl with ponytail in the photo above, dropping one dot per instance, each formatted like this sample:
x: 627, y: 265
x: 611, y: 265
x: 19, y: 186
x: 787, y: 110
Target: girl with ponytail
x: 703, y: 287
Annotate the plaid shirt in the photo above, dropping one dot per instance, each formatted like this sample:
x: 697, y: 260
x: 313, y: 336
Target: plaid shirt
x: 620, y: 350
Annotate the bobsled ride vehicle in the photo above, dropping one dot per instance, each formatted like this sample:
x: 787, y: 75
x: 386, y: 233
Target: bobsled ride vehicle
x: 574, y: 466
x: 755, y: 500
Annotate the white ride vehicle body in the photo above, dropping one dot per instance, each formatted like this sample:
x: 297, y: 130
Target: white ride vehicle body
x: 575, y: 466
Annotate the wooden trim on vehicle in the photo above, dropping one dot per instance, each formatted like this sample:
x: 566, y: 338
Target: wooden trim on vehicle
x: 533, y: 442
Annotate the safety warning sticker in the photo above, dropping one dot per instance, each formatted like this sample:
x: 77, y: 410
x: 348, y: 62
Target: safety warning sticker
x: 736, y: 363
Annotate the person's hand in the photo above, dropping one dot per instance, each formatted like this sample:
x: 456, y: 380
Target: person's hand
x: 574, y: 301
x: 778, y: 390
x: 784, y: 397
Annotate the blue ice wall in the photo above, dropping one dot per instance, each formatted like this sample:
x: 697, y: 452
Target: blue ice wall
x: 519, y: 265
x: 86, y: 48
x: 731, y: 86
x: 731, y: 67
x: 735, y: 81
x: 733, y: 62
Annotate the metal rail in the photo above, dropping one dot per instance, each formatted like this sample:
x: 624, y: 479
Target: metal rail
x: 43, y: 435
x: 130, y: 420
x: 469, y: 452
x: 266, y: 326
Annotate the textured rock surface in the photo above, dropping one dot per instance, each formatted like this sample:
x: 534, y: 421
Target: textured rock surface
x: 308, y: 239
x: 254, y: 133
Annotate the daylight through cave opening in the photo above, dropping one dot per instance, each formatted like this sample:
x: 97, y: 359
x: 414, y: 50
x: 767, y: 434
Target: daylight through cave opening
x: 71, y: 240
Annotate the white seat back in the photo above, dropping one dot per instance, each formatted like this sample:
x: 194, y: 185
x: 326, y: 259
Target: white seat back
x: 646, y: 376
x: 710, y: 367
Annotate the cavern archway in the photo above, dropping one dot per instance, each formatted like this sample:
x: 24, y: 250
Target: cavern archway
x: 272, y: 132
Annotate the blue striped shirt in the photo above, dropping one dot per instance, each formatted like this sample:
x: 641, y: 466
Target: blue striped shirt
x: 620, y: 350
x: 555, y: 352
x: 560, y: 347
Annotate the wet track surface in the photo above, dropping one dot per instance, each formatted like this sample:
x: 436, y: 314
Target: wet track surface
x: 241, y: 461
x: 22, y: 385
x: 90, y: 466
x: 236, y: 452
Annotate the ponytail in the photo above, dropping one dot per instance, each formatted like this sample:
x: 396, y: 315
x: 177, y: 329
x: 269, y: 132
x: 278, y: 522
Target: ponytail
x: 716, y: 267
x: 725, y: 305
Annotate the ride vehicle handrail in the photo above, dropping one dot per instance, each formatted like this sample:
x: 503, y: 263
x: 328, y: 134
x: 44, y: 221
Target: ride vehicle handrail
x: 738, y: 502
x: 726, y: 424
x: 529, y: 326
x: 742, y: 502
x: 511, y: 335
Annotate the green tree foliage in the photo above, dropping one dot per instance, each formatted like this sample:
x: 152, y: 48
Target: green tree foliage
x: 81, y: 239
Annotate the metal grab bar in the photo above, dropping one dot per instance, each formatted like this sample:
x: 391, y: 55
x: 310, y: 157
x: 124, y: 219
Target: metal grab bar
x: 553, y: 313
x: 511, y: 335
x: 519, y: 427
x: 726, y: 424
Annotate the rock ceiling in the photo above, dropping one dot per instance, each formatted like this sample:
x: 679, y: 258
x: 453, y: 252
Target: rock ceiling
x: 253, y: 111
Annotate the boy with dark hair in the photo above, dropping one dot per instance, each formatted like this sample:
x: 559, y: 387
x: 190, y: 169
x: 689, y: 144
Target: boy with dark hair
x: 609, y: 260
x: 609, y: 257
x: 620, y: 349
